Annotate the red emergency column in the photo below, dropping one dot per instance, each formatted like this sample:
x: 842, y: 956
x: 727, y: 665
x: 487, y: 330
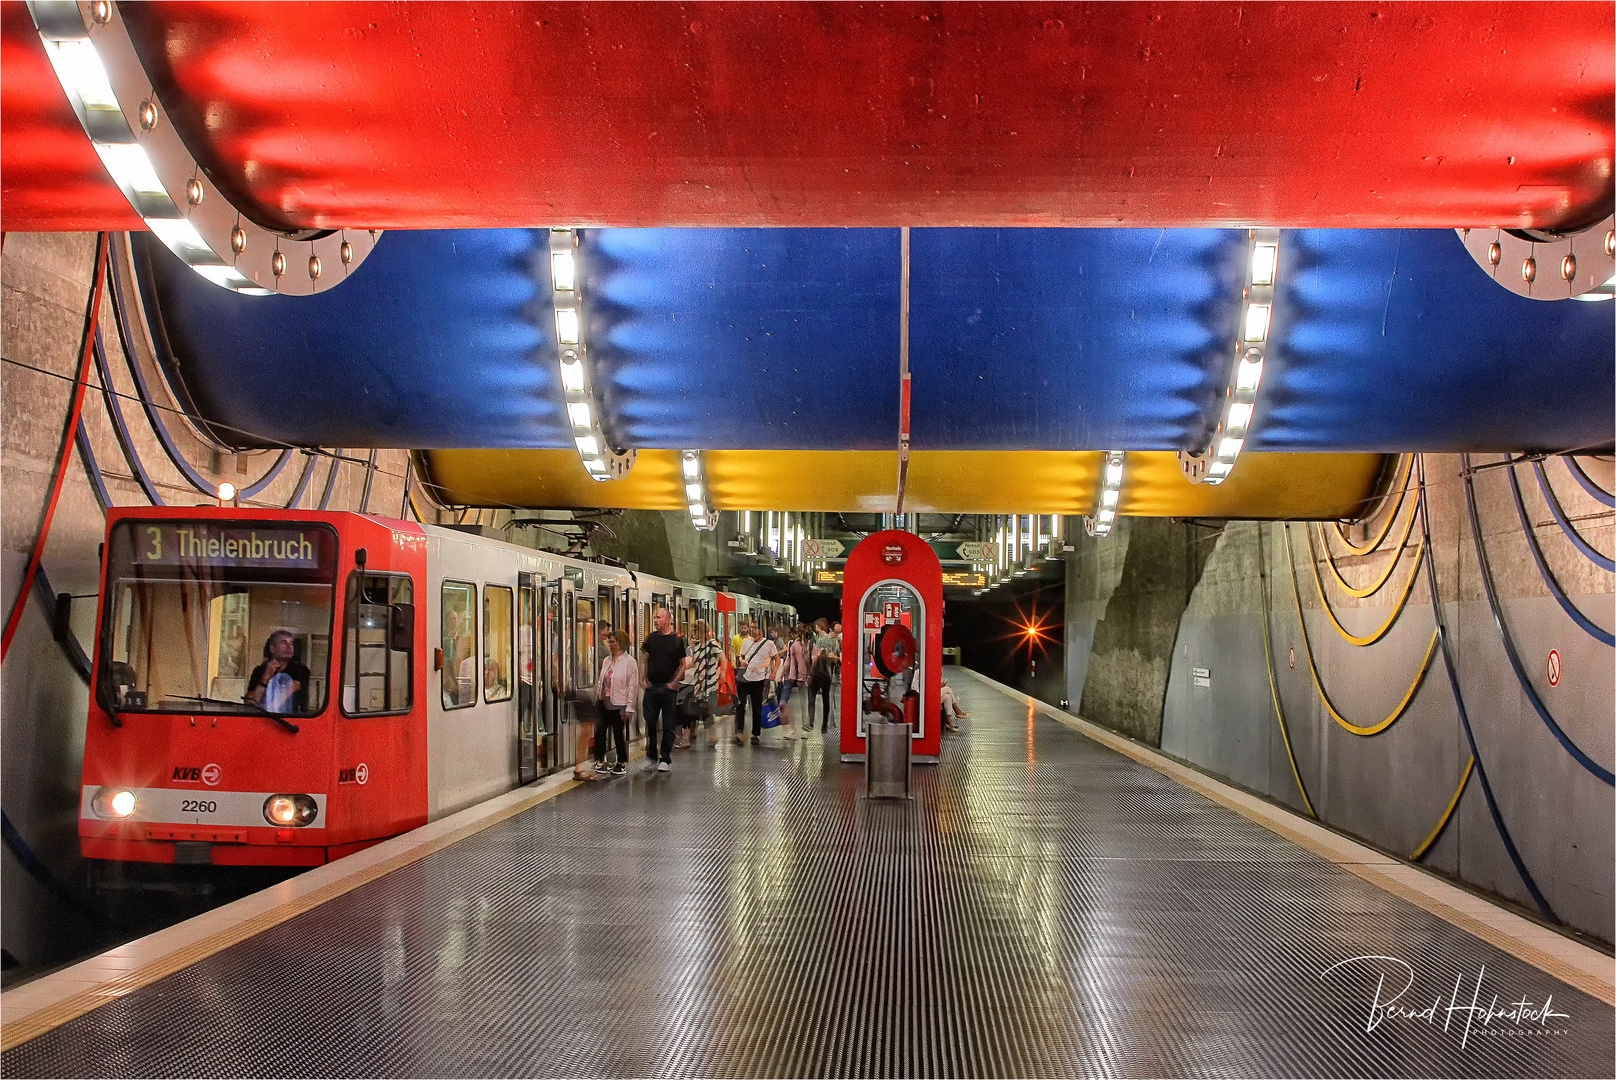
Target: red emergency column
x: 892, y: 577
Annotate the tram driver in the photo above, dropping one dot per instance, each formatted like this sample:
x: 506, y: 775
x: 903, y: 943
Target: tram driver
x: 280, y: 684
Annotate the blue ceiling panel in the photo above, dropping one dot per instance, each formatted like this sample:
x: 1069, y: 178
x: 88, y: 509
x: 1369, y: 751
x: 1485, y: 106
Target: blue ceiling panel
x: 788, y: 339
x: 750, y: 339
x: 436, y: 342
x: 1395, y: 340
x: 1062, y: 339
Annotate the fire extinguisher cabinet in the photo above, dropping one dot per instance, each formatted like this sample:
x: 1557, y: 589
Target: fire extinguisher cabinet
x: 894, y: 580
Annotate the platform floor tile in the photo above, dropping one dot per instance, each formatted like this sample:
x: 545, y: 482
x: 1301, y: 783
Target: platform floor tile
x: 1042, y: 907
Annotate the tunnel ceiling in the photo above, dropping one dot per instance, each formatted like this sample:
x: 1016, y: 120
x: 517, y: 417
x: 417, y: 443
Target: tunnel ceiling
x: 1366, y: 131
x: 1047, y: 339
x: 425, y: 115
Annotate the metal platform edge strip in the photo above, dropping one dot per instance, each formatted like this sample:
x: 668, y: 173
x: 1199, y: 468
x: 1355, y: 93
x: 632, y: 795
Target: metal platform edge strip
x: 40, y: 1005
x: 1546, y: 949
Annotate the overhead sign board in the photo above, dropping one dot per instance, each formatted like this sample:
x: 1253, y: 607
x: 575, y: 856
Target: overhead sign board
x: 827, y: 577
x: 973, y: 579
x: 977, y: 551
x: 822, y: 549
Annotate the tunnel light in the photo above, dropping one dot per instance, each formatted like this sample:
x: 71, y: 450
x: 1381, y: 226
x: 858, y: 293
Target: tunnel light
x: 596, y: 451
x: 1264, y: 262
x: 563, y: 271
x: 1257, y: 317
x: 567, y: 325
x: 1099, y: 523
x: 131, y: 169
x: 1248, y: 374
x: 79, y: 68
x: 702, y: 515
x: 572, y: 373
x: 105, y: 81
x: 226, y: 491
x: 1214, y: 464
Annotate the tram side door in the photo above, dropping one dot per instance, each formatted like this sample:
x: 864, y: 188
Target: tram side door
x: 528, y: 667
x: 552, y: 659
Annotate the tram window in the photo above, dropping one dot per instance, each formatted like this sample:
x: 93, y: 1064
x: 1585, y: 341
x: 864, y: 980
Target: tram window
x: 459, y: 610
x: 218, y: 617
x: 583, y: 645
x: 496, y: 643
x: 375, y: 676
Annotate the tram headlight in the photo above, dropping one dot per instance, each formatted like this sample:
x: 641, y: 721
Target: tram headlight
x: 113, y: 803
x: 290, y: 811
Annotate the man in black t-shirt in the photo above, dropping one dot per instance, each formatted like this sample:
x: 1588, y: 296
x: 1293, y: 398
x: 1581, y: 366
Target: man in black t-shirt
x: 663, y: 659
x: 278, y: 651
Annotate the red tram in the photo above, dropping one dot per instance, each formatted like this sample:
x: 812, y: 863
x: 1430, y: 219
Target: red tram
x: 287, y: 687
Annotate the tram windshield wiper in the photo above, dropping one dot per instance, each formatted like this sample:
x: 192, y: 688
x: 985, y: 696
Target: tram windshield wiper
x: 282, y: 721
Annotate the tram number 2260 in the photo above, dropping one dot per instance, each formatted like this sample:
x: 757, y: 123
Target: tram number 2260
x: 198, y: 806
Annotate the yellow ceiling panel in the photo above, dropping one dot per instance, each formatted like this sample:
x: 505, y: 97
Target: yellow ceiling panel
x: 1316, y: 487
x: 552, y: 478
x: 1296, y: 486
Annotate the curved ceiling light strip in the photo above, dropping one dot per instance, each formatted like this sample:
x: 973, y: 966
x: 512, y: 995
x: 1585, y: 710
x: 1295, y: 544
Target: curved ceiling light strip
x: 702, y: 514
x: 1110, y: 494
x: 1214, y: 464
x: 1548, y: 265
x: 95, y: 60
x: 600, y: 458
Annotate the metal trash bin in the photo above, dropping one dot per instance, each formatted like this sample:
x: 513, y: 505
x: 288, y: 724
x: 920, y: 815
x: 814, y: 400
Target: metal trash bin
x: 886, y: 759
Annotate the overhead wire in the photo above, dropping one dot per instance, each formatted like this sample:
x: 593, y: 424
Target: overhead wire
x: 1600, y: 771
x: 1464, y: 719
x: 1588, y: 626
x: 1318, y: 683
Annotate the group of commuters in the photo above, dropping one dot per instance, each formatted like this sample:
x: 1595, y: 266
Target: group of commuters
x: 675, y: 684
x: 808, y: 657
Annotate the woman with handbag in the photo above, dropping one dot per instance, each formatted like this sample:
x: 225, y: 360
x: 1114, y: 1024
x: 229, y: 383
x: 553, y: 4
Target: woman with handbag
x: 618, y: 685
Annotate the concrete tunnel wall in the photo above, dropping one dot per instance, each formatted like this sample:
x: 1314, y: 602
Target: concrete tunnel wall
x: 1159, y: 599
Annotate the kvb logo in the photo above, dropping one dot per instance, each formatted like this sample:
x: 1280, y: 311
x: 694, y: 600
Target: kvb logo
x: 211, y: 774
x: 359, y: 774
x: 187, y: 775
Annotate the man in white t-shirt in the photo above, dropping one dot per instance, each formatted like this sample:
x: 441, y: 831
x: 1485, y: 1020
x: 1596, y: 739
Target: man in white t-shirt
x: 756, y: 662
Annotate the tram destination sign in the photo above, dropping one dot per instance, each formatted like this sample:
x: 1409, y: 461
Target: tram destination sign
x: 190, y: 543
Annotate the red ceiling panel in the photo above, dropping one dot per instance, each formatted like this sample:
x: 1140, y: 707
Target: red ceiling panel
x: 414, y: 115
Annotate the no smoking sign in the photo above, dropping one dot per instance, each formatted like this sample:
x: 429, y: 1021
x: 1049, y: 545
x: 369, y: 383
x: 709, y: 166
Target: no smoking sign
x: 1554, y: 667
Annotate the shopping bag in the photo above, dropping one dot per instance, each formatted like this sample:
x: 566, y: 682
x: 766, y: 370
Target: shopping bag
x: 771, y: 713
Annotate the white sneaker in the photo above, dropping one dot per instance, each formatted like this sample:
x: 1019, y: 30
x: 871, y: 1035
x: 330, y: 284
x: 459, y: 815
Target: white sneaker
x: 663, y: 766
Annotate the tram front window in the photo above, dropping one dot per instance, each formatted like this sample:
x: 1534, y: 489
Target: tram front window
x: 205, y: 616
